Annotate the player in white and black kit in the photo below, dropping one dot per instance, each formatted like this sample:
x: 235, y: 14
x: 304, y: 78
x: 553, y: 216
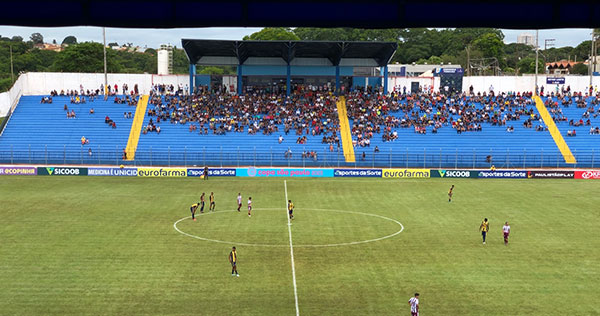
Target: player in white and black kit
x: 506, y: 232
x: 249, y: 206
x: 239, y: 200
x: 414, y: 305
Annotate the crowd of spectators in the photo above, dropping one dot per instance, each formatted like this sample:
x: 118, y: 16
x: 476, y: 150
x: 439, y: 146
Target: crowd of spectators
x: 374, y: 113
x: 306, y: 112
x: 311, y: 111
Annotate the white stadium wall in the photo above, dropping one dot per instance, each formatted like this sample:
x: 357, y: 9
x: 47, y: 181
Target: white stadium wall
x: 41, y: 83
x: 526, y: 83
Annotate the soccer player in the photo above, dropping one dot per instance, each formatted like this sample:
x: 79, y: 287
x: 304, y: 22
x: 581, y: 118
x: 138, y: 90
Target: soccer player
x: 506, y: 231
x: 414, y: 305
x: 205, y: 173
x: 450, y: 193
x: 212, y: 201
x: 239, y: 200
x: 233, y: 260
x: 202, y: 203
x: 484, y: 228
x: 193, y: 210
x: 249, y: 206
x: 291, y: 209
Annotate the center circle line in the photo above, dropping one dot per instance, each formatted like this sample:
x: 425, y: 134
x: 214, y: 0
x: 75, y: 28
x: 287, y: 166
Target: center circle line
x: 295, y: 245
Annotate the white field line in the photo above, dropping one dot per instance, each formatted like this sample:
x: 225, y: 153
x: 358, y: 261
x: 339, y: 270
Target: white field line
x: 286, y: 245
x: 291, y: 249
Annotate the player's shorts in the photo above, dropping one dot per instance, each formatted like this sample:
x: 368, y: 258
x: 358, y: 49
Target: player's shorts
x: 212, y: 203
x: 239, y: 204
x: 233, y: 264
x: 414, y: 314
x: 249, y: 208
x: 291, y: 211
x: 192, y: 209
x: 505, y: 235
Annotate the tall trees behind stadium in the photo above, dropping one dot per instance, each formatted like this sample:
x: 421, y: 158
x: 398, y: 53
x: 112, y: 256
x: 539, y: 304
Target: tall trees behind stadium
x: 435, y: 46
x: 417, y: 45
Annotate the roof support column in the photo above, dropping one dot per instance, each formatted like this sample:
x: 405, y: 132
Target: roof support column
x: 239, y: 79
x: 337, y: 79
x: 288, y: 80
x: 192, y: 78
x: 385, y: 80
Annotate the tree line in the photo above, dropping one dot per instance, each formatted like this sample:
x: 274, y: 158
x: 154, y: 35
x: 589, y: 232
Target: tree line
x: 459, y: 46
x: 77, y: 57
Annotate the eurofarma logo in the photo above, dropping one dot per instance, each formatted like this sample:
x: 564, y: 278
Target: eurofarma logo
x: 162, y: 172
x: 406, y: 173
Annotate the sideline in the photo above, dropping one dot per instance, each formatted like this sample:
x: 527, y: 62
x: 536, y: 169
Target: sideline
x: 291, y: 249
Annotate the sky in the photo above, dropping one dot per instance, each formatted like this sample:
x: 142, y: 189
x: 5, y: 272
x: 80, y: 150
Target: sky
x: 153, y: 38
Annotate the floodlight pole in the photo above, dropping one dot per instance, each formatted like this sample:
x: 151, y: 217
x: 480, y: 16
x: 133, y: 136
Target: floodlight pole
x: 591, y: 58
x: 105, y: 75
x: 12, y: 74
x: 537, y: 50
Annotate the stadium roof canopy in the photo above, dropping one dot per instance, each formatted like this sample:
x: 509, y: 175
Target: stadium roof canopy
x: 218, y: 52
x: 524, y: 14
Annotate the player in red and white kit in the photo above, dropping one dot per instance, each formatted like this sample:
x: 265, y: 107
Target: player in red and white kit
x: 249, y: 206
x: 414, y: 305
x: 506, y: 231
x: 239, y: 200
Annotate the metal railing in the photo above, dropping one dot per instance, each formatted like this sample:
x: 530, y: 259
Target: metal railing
x: 396, y: 157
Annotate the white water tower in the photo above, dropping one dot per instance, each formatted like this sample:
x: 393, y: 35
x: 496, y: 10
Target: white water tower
x: 165, y: 59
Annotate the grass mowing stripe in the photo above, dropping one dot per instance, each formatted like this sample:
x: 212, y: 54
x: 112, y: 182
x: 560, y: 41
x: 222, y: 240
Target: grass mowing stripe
x: 291, y: 250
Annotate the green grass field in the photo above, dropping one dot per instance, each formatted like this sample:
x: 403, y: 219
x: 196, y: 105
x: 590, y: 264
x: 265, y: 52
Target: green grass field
x: 107, y: 246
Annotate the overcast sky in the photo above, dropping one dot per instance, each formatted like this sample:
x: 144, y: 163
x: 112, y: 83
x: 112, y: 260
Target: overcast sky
x: 154, y: 37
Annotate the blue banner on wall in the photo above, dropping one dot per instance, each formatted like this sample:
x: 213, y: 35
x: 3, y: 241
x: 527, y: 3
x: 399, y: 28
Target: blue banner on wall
x: 212, y: 172
x: 555, y: 80
x: 376, y: 173
x: 119, y: 172
x: 284, y: 172
x: 513, y: 174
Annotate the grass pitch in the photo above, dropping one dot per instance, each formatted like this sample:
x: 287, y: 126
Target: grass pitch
x: 107, y: 246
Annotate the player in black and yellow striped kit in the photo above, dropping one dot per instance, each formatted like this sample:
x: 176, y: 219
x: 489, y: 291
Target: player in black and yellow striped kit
x: 291, y: 209
x: 193, y: 209
x: 233, y: 260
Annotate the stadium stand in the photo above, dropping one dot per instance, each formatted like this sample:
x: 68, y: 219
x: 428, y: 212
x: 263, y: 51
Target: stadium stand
x: 41, y: 132
x: 420, y: 130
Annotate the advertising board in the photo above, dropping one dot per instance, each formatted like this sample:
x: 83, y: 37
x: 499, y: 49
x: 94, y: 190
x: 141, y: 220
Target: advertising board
x: 550, y: 174
x: 405, y: 173
x: 61, y: 171
x: 162, y: 172
x: 588, y: 174
x: 284, y: 172
x: 212, y: 172
x: 503, y: 174
x: 442, y: 173
x: 113, y: 172
x: 18, y: 171
x: 357, y: 173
